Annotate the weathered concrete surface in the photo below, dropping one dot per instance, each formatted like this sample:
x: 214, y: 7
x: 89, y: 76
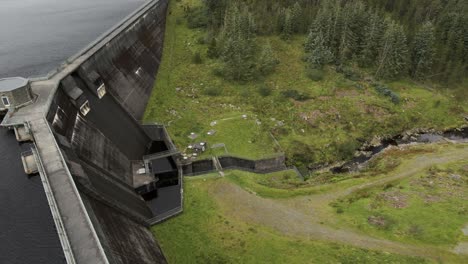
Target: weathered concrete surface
x: 81, y: 233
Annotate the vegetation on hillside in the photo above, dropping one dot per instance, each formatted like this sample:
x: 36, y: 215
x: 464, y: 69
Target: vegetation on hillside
x: 423, y: 39
x: 204, y: 233
x: 316, y: 79
x: 319, y: 92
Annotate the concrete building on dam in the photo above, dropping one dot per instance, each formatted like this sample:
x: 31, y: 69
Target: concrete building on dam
x: 107, y: 177
x: 14, y: 92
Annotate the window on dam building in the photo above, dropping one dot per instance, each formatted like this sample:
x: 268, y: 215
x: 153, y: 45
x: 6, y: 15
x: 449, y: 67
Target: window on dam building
x: 5, y: 101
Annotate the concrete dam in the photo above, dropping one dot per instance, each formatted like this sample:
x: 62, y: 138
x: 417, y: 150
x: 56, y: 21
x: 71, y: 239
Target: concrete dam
x: 107, y: 177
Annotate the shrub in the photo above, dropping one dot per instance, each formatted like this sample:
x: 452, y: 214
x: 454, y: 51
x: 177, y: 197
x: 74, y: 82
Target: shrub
x: 349, y: 73
x: 201, y: 40
x: 416, y: 231
x: 385, y: 91
x: 197, y: 18
x: 296, y: 95
x: 264, y: 90
x: 315, y: 74
x: 197, y: 59
x: 218, y: 72
x: 212, y: 91
x: 345, y: 150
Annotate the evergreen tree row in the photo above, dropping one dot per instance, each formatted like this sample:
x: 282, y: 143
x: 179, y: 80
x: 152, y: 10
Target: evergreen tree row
x: 424, y: 39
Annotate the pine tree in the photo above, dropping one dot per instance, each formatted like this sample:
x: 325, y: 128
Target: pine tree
x: 280, y: 20
x: 317, y: 53
x: 268, y: 60
x: 296, y: 18
x: 215, y: 11
x: 393, y: 55
x: 287, y: 26
x: 212, y: 52
x: 238, y: 52
x: 423, y: 51
x: 374, y: 31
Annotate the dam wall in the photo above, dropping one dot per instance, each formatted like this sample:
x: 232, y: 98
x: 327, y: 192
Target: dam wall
x: 93, y: 111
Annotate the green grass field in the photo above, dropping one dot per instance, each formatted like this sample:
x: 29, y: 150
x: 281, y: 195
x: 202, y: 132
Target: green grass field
x: 204, y: 234
x: 429, y: 208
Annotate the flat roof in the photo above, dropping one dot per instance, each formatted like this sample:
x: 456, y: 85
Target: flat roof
x: 10, y: 84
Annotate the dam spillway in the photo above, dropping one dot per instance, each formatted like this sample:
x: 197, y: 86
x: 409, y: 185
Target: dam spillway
x: 87, y: 142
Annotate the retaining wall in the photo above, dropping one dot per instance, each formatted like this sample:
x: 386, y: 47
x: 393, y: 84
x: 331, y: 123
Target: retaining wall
x: 266, y: 165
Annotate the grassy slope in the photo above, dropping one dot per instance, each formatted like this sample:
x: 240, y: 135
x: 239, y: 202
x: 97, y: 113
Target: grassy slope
x: 338, y: 113
x: 203, y: 234
x: 431, y: 207
x: 429, y: 197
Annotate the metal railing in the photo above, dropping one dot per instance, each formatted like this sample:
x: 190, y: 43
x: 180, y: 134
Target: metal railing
x: 62, y: 233
x: 76, y: 192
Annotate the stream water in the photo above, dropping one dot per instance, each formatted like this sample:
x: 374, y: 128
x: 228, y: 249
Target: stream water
x: 454, y: 135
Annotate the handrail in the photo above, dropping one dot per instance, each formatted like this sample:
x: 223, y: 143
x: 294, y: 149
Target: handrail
x: 75, y: 190
x: 161, y: 154
x: 166, y: 215
x: 63, y: 237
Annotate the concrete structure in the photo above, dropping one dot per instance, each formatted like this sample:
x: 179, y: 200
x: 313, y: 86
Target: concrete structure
x: 87, y: 140
x: 14, y: 92
x: 227, y: 162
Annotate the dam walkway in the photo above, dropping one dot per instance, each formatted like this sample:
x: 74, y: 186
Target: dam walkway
x: 80, y: 241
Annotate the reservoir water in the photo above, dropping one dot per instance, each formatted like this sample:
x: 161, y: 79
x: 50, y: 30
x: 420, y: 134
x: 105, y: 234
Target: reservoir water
x: 27, y: 230
x: 35, y: 37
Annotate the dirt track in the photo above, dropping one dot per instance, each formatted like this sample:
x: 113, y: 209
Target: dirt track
x: 302, y: 216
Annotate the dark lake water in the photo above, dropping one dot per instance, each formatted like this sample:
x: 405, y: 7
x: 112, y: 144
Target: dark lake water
x: 27, y: 230
x: 35, y: 37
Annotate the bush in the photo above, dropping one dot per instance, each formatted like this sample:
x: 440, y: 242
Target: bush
x: 212, y: 91
x: 346, y: 149
x: 197, y: 59
x: 264, y: 90
x: 201, y: 40
x: 296, y: 95
x: 218, y: 72
x: 385, y: 91
x: 315, y: 74
x: 349, y: 73
x: 197, y: 18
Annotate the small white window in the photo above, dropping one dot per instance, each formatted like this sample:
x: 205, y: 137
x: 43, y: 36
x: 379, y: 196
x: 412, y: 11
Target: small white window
x: 84, y: 109
x: 138, y: 71
x: 101, y: 91
x: 5, y: 101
